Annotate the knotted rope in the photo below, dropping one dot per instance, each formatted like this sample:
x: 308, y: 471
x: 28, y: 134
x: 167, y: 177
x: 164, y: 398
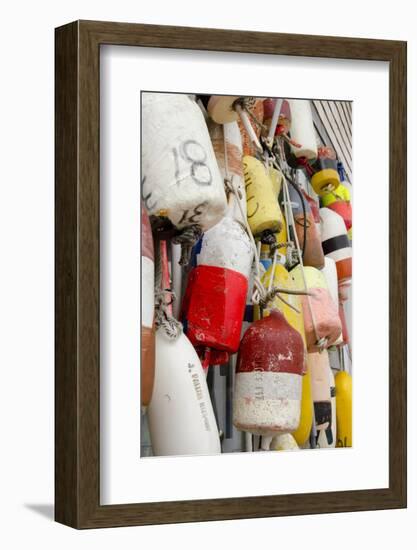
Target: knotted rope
x: 187, y: 239
x: 163, y: 318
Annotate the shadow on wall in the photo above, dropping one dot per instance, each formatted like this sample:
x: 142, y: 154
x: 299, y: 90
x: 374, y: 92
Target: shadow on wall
x: 45, y: 510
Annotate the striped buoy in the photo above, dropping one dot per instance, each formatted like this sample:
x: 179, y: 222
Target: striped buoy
x: 147, y: 314
x: 339, y: 202
x: 263, y: 211
x: 335, y: 242
x: 268, y: 377
x: 181, y: 182
x: 214, y: 302
x: 319, y: 366
x: 323, y: 328
x: 227, y: 145
x: 323, y: 437
x: 180, y: 414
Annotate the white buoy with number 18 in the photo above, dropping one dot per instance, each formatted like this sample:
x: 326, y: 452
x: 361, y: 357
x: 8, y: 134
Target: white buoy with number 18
x: 181, y: 181
x: 181, y: 417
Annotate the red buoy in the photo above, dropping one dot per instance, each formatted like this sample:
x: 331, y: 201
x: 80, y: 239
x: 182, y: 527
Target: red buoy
x: 269, y: 377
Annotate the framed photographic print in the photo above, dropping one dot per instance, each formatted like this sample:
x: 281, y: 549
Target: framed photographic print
x: 230, y: 274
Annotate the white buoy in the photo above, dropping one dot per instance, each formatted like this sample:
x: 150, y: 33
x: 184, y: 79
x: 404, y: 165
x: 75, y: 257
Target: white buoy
x: 180, y: 177
x: 302, y: 129
x: 181, y: 417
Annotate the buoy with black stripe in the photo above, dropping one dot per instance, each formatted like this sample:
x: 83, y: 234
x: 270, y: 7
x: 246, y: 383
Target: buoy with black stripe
x: 181, y: 183
x: 227, y: 145
x: 323, y: 437
x: 321, y: 318
x: 263, y: 211
x: 147, y: 315
x: 305, y: 225
x: 269, y: 377
x: 214, y: 301
x: 319, y: 366
x: 325, y: 178
x: 335, y: 242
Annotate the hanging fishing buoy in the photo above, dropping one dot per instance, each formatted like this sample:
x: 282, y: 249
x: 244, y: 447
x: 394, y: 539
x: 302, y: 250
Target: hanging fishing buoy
x: 268, y: 377
x: 302, y: 131
x: 306, y: 225
x: 321, y: 318
x: 147, y: 315
x: 319, y: 366
x: 284, y: 118
x: 302, y: 433
x: 227, y: 145
x: 339, y: 202
x: 284, y: 442
x: 335, y: 242
x: 263, y: 211
x: 214, y: 302
x: 343, y: 382
x: 323, y: 439
x: 292, y: 309
x: 325, y: 178
x: 180, y: 414
x: 181, y: 182
x: 330, y: 274
x: 255, y: 111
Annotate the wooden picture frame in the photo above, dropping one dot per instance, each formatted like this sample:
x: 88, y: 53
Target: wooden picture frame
x: 77, y: 374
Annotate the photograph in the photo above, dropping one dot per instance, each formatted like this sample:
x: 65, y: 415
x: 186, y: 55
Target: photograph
x: 246, y: 274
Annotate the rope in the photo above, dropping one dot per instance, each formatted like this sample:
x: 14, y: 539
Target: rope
x: 321, y: 343
x: 187, y: 239
x: 171, y: 326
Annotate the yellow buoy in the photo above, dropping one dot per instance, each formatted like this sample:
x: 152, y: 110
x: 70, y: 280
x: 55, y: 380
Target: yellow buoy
x: 264, y: 213
x: 343, y: 384
x: 283, y: 279
x: 276, y: 179
x: 302, y: 433
x: 340, y: 194
x: 325, y: 181
x: 284, y: 442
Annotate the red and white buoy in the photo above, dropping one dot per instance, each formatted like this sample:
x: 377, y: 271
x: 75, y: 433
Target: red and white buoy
x: 269, y: 377
x: 214, y: 302
x: 147, y: 313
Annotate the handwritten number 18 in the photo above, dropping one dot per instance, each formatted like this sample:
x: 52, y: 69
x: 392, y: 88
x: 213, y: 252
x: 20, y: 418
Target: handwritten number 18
x: 192, y: 153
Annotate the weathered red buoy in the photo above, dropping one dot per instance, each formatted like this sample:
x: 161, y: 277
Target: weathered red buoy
x: 147, y: 316
x: 269, y: 377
